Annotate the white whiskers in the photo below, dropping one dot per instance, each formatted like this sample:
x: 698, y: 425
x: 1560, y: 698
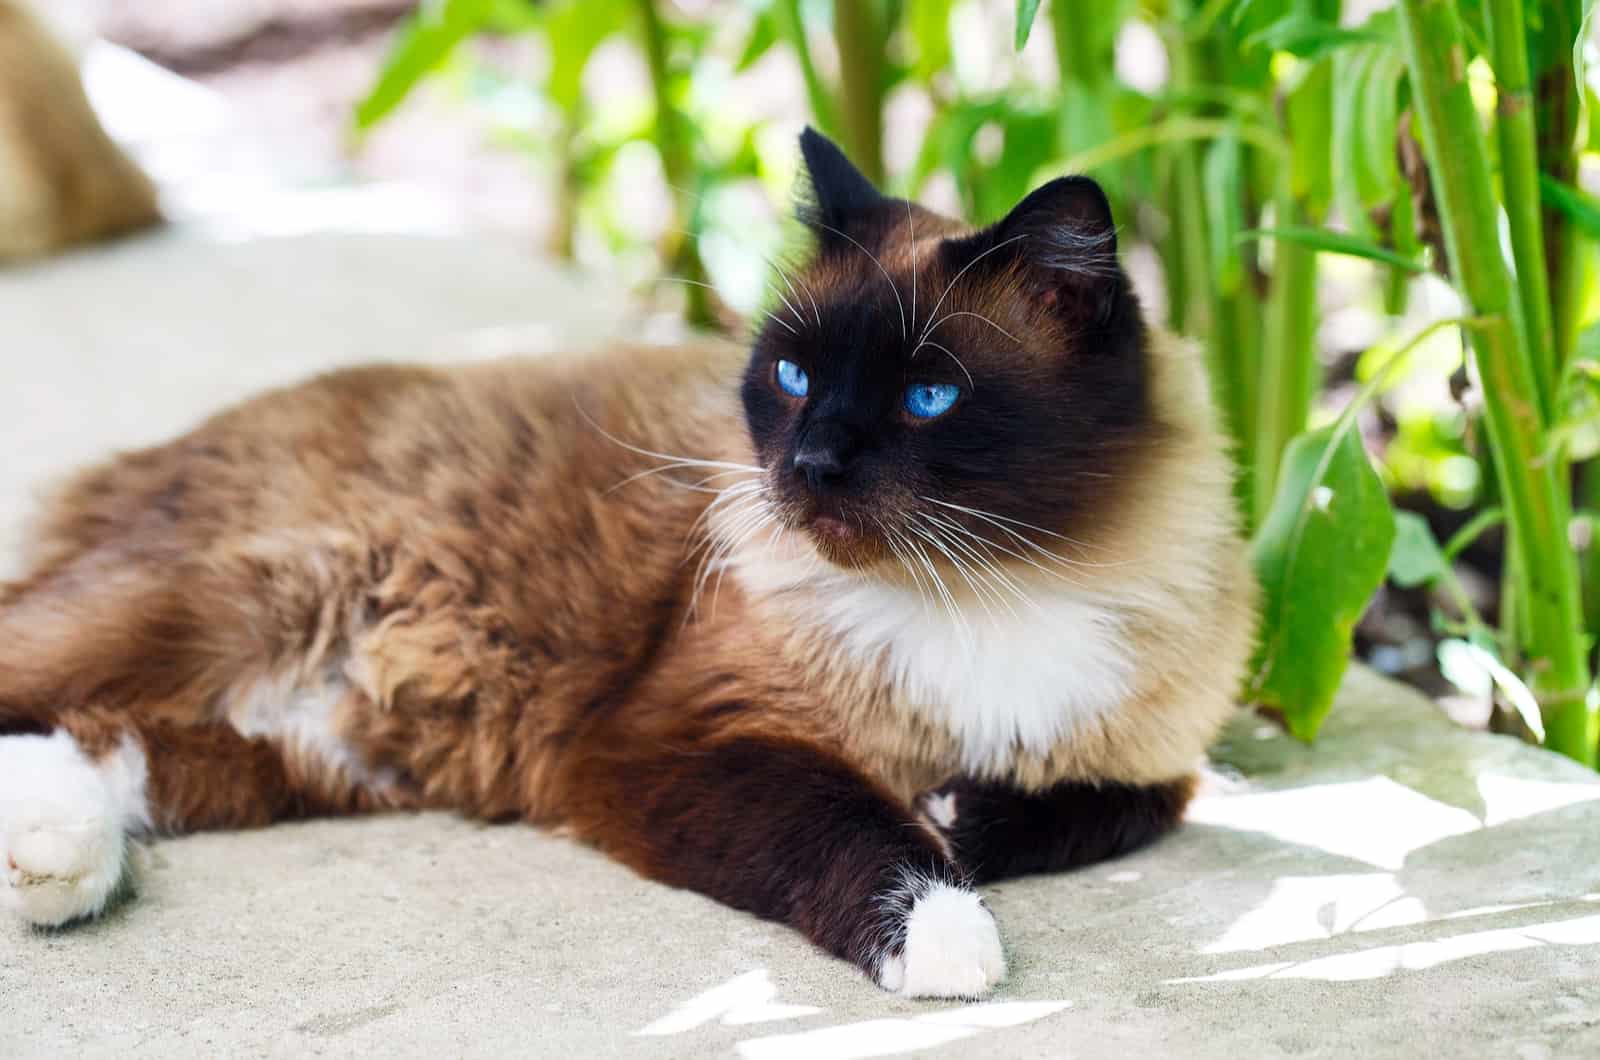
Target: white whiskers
x: 933, y: 315
x: 893, y: 287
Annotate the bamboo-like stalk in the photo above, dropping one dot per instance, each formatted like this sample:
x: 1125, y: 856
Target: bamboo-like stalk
x: 1519, y: 176
x: 1289, y: 369
x: 793, y: 26
x: 564, y: 236
x: 1202, y: 312
x: 677, y: 162
x: 1536, y: 503
x: 1555, y: 111
x: 1289, y: 362
x: 861, y: 36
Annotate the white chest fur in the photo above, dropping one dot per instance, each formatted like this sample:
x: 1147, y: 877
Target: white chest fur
x: 997, y: 679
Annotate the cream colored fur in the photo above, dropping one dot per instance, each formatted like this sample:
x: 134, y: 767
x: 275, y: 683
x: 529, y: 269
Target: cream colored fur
x: 1125, y: 672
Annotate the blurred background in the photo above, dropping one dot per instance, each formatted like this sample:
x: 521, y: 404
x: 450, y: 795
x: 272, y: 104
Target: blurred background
x: 1261, y: 155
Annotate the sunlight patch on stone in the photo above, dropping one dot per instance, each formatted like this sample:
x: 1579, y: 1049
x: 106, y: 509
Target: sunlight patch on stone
x: 1513, y: 798
x: 887, y: 1037
x: 744, y: 999
x: 1302, y: 908
x: 1376, y: 820
x: 1380, y: 961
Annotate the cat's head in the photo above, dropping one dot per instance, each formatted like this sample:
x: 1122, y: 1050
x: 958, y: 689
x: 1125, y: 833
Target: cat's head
x: 920, y: 383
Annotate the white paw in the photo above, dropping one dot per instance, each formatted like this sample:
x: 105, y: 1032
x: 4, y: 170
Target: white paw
x: 952, y: 947
x: 941, y: 809
x: 63, y: 820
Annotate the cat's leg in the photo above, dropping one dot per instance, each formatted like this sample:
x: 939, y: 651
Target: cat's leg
x: 998, y: 831
x: 70, y: 800
x: 791, y: 833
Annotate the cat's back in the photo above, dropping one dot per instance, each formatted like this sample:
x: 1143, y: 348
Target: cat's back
x: 497, y: 455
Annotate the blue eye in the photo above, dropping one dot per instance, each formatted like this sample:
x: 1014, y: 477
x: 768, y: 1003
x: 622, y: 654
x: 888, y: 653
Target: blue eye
x: 793, y: 378
x: 927, y: 400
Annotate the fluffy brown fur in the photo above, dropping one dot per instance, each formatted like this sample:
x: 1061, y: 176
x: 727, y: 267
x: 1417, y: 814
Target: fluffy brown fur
x: 62, y: 180
x: 581, y: 592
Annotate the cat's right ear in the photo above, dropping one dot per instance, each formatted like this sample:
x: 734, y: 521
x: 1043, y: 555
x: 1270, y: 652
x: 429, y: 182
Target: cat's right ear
x: 839, y: 195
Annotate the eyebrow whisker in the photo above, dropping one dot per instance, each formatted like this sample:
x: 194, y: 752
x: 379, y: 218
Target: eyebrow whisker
x: 933, y: 316
x: 893, y: 288
x: 946, y: 351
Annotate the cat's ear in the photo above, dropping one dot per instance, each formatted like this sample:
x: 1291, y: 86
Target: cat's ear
x: 839, y: 194
x: 1062, y: 240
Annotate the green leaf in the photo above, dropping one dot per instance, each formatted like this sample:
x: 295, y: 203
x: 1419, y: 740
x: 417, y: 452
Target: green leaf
x: 930, y: 29
x: 1308, y: 36
x: 424, y: 42
x: 1307, y: 111
x: 1378, y: 127
x: 763, y: 35
x: 1329, y: 242
x: 1319, y: 555
x: 1350, y: 68
x: 1416, y: 558
x: 1026, y: 9
x: 1475, y: 669
x: 574, y: 29
x: 1578, y: 207
x: 1575, y: 431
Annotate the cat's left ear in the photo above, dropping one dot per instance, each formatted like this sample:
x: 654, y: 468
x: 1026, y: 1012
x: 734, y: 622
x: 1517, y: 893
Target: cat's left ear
x: 1063, y: 242
x: 840, y: 197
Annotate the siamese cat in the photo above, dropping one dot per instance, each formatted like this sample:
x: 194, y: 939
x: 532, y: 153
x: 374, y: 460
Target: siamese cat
x: 937, y: 582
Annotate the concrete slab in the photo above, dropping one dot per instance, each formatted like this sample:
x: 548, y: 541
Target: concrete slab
x: 1404, y: 888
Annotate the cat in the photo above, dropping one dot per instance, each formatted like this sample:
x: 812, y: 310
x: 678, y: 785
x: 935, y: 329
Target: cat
x: 937, y: 582
x: 62, y: 179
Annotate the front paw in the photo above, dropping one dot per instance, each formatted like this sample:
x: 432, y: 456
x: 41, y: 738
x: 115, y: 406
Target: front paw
x: 951, y: 949
x: 62, y: 844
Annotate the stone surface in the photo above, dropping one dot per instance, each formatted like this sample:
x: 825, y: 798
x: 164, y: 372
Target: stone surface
x: 1403, y: 888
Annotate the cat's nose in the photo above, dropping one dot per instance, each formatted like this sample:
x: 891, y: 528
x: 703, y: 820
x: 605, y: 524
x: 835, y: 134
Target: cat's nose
x: 825, y: 454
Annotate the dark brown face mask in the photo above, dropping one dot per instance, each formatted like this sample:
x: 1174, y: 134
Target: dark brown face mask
x: 998, y: 370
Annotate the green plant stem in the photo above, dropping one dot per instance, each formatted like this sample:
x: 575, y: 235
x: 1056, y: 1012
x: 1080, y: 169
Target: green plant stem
x: 861, y: 37
x: 1536, y: 504
x: 1289, y: 370
x: 677, y: 162
x: 823, y: 108
x: 1478, y: 525
x: 568, y: 188
x: 1289, y: 362
x: 1519, y: 176
x: 1201, y: 313
x: 1555, y: 113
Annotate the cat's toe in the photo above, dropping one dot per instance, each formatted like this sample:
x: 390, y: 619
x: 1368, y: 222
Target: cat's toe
x: 62, y: 844
x: 952, y: 947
